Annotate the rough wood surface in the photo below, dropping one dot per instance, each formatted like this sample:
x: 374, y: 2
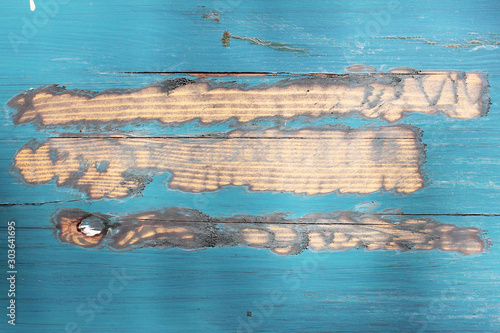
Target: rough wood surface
x: 386, y: 95
x: 304, y: 161
x: 272, y: 266
x: 191, y: 229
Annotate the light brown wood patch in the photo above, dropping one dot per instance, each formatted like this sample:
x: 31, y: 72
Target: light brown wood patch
x: 304, y: 161
x: 385, y: 95
x: 190, y: 229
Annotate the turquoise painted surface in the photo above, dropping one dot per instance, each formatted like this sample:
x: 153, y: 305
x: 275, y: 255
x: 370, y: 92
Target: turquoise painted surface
x: 88, y: 45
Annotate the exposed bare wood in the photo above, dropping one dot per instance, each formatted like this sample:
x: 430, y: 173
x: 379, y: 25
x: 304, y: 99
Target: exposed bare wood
x: 191, y: 229
x: 385, y: 95
x: 304, y: 161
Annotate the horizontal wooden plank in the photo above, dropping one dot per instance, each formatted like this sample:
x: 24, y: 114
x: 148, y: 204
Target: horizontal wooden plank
x: 179, y: 38
x: 427, y: 289
x: 433, y: 126
x: 472, y: 174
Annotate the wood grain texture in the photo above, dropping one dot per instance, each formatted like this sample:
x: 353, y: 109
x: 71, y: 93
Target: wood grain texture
x: 191, y: 229
x: 99, y: 48
x: 306, y: 161
x: 386, y: 95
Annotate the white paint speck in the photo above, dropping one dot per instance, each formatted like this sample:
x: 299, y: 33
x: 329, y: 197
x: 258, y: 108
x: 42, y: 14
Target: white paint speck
x: 89, y: 231
x: 32, y: 5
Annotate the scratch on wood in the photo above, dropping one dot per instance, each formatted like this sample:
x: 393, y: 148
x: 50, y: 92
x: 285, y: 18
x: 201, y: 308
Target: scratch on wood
x: 191, y: 229
x: 476, y: 41
x: 304, y: 161
x: 386, y: 95
x: 278, y: 46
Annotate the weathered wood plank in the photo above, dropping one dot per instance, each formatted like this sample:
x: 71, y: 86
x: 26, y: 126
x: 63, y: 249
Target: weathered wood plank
x: 471, y: 175
x: 385, y: 95
x: 102, y: 45
x: 426, y: 287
